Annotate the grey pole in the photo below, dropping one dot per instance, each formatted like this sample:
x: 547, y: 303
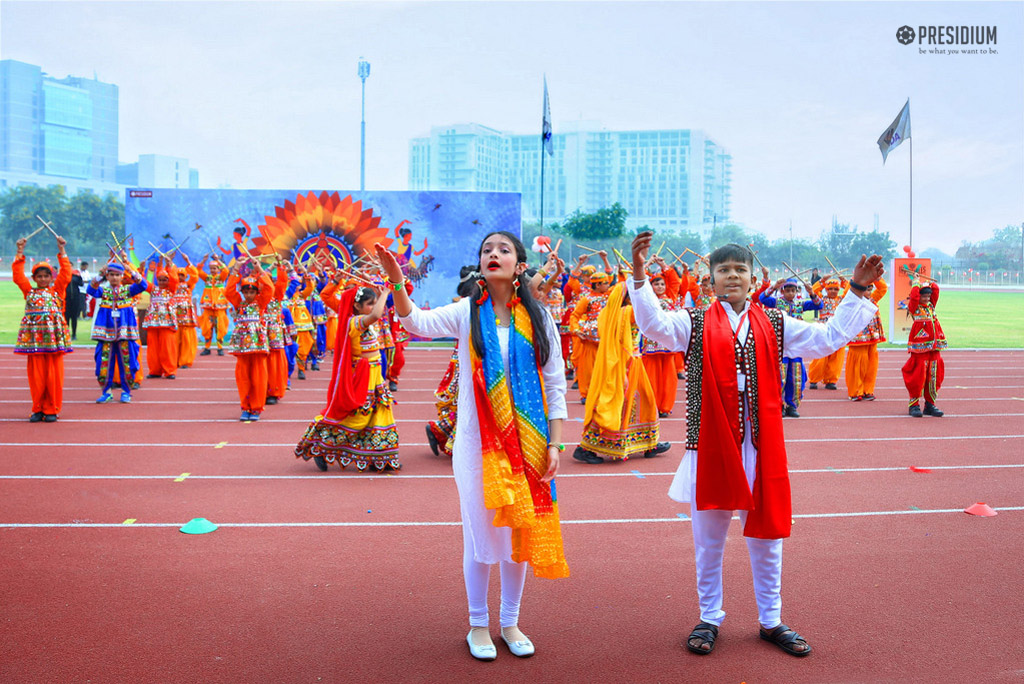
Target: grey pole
x: 364, y: 72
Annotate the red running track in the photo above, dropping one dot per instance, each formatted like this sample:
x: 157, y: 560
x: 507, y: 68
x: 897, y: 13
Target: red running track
x: 344, y: 576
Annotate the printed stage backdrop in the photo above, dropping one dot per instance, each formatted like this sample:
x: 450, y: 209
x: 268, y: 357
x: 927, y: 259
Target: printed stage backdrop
x: 900, y: 321
x: 433, y: 233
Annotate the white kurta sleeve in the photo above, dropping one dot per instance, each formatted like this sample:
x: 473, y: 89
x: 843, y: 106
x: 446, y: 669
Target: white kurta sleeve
x: 554, y: 374
x: 815, y: 340
x: 670, y: 329
x: 441, y: 322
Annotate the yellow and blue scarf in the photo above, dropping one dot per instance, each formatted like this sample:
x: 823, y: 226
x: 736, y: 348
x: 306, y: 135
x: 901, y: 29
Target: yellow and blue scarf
x: 514, y: 436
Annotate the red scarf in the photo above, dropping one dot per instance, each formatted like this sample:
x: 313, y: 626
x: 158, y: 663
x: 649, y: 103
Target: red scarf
x: 721, y: 480
x: 349, y: 377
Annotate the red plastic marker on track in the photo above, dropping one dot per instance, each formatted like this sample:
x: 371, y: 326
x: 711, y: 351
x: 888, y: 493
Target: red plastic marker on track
x: 920, y: 470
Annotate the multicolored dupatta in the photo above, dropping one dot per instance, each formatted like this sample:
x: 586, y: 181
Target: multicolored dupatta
x: 514, y: 437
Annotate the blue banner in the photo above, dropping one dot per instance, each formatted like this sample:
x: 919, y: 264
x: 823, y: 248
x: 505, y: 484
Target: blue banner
x: 433, y: 234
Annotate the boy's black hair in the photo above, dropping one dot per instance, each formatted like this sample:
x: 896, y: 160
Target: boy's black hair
x: 731, y: 252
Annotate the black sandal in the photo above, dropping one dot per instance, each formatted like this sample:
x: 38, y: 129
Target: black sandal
x: 785, y: 638
x: 707, y: 633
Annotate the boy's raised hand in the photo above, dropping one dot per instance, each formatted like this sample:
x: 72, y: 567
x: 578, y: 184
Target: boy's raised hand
x: 641, y: 247
x: 868, y: 270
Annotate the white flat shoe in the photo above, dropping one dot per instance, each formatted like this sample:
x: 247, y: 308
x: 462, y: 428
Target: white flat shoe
x: 522, y: 649
x: 488, y: 652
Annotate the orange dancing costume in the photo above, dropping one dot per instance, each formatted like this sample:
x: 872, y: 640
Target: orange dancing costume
x: 249, y: 343
x: 43, y: 337
x: 924, y: 370
x: 162, y: 327
x: 277, y: 340
x: 827, y: 369
x: 583, y: 325
x: 305, y: 327
x: 621, y: 415
x: 659, y: 361
x: 862, y: 357
x: 357, y: 427
x: 213, y: 321
x: 185, y: 315
x: 441, y: 432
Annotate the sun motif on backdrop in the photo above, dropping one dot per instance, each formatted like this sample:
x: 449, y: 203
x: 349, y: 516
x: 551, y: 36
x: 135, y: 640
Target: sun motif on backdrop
x: 334, y: 230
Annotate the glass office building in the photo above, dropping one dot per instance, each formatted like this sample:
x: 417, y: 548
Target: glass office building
x: 668, y: 179
x: 57, y: 131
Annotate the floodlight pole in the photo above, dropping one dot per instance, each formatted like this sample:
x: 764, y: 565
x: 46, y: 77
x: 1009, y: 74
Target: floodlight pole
x: 364, y: 72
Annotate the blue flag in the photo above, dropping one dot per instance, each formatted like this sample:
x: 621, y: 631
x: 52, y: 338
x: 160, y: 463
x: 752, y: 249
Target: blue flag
x: 545, y: 135
x: 896, y: 133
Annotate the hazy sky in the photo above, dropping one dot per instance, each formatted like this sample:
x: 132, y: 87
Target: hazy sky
x: 265, y: 94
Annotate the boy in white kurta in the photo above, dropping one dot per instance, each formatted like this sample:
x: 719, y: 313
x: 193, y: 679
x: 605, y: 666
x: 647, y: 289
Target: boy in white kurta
x: 733, y: 354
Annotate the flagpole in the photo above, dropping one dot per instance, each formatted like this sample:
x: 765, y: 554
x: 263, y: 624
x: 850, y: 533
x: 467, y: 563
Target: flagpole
x: 542, y: 182
x: 911, y: 241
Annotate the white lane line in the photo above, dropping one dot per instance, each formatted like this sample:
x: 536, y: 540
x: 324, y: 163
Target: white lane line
x: 291, y: 445
x: 418, y: 523
x: 341, y: 476
x: 304, y: 421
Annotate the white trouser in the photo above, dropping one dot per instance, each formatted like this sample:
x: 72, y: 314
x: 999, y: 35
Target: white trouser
x: 513, y: 578
x: 709, y: 532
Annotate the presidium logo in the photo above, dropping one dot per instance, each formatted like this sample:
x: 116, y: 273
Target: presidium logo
x: 905, y: 35
x: 965, y: 38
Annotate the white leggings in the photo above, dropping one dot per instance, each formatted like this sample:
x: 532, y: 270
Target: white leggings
x: 513, y: 577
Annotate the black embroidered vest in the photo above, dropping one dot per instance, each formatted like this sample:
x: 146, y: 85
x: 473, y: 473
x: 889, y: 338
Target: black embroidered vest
x: 745, y: 362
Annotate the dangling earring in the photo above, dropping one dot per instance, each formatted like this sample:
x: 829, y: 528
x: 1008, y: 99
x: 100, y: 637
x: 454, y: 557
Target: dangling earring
x: 482, y: 284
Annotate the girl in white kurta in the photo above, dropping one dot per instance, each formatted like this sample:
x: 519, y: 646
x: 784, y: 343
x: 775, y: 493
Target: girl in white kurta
x: 733, y: 399
x: 502, y: 259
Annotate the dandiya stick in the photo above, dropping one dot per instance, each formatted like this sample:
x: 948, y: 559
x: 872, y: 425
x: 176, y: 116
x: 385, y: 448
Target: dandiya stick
x: 759, y: 262
x: 589, y: 249
x: 834, y: 269
x: 47, y: 226
x: 911, y: 272
x: 35, y: 232
x: 796, y: 275
x: 157, y: 250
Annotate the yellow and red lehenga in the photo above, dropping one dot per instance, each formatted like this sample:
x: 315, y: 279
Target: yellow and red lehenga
x: 357, y: 427
x: 621, y: 417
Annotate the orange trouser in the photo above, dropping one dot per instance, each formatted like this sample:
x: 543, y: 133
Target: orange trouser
x: 162, y: 351
x: 251, y: 378
x: 206, y: 320
x: 861, y: 369
x: 680, y: 362
x: 187, y: 344
x: 826, y: 369
x: 584, y: 354
x: 332, y: 331
x: 46, y: 382
x: 661, y: 371
x: 277, y: 373
x: 305, y: 340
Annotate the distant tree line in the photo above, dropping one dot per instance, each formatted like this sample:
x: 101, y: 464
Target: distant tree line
x: 84, y: 219
x: 1002, y: 251
x: 606, y: 229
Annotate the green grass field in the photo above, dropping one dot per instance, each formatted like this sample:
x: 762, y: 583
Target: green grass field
x: 969, y: 319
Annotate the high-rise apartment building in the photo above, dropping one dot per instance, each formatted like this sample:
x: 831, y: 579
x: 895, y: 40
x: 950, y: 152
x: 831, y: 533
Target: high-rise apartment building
x: 669, y: 179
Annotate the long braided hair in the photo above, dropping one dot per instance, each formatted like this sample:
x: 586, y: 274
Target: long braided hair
x: 538, y: 317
